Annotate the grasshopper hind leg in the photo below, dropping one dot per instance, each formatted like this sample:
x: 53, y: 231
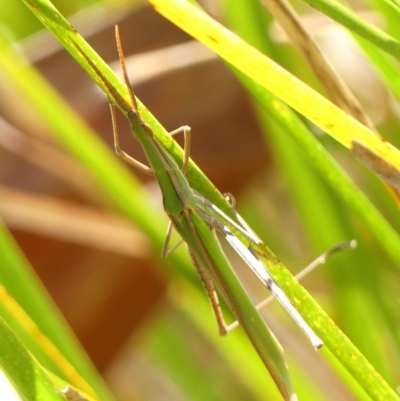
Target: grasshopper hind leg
x: 123, y: 155
x: 212, y: 295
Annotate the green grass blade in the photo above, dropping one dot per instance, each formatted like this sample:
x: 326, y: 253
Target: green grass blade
x: 351, y: 20
x: 37, y: 343
x: 390, y: 11
x: 387, y: 67
x: 26, y: 374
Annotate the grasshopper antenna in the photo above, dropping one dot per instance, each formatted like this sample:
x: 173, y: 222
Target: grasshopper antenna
x: 123, y: 67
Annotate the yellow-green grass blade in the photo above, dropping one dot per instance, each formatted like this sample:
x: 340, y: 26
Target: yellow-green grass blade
x: 274, y: 78
x: 28, y: 377
x: 387, y: 67
x: 37, y: 343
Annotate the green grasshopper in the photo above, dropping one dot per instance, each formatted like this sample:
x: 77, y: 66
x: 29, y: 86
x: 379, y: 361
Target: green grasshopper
x: 197, y: 220
x: 166, y: 170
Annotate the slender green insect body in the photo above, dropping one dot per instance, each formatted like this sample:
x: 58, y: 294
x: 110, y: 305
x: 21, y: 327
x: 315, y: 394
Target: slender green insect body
x: 181, y: 204
x: 196, y: 220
